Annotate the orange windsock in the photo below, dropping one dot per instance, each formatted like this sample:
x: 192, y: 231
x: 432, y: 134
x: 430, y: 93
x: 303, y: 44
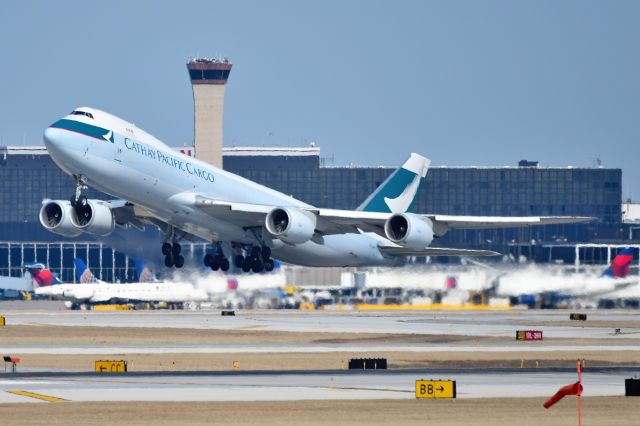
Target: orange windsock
x: 572, y: 389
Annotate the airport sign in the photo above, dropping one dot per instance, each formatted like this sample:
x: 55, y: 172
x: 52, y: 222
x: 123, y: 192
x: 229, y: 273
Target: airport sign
x: 435, y: 389
x: 111, y: 366
x: 2, y: 322
x: 577, y: 317
x: 529, y: 335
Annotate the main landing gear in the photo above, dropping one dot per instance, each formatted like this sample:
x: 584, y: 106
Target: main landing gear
x: 217, y: 260
x: 257, y: 259
x: 172, y: 256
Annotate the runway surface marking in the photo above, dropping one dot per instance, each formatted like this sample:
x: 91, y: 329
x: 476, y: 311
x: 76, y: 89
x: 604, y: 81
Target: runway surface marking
x: 304, y: 348
x: 37, y: 396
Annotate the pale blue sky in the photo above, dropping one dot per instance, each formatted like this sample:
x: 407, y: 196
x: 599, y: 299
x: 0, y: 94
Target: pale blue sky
x: 463, y: 82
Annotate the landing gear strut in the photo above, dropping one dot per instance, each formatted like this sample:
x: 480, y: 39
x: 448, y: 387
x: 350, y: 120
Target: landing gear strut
x: 79, y: 202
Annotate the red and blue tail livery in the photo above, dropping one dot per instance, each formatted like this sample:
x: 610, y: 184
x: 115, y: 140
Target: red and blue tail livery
x: 619, y: 268
x: 41, y: 275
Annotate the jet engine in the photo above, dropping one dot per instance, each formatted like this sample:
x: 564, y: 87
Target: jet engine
x: 409, y: 230
x: 55, y: 216
x: 95, y: 218
x: 291, y: 225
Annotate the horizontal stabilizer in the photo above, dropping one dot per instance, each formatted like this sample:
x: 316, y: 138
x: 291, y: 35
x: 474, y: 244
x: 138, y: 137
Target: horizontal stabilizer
x: 435, y: 251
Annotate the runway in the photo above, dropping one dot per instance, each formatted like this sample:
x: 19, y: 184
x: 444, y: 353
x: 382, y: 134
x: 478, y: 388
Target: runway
x: 293, y: 366
x: 302, y: 385
x: 303, y: 348
x: 463, y: 323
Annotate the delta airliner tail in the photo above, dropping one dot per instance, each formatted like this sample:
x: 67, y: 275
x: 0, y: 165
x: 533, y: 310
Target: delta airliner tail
x: 42, y: 276
x: 619, y: 268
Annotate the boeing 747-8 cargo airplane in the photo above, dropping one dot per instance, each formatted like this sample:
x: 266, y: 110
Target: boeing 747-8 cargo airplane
x: 245, y: 221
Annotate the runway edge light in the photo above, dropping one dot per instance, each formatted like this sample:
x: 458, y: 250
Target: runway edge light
x: 435, y: 389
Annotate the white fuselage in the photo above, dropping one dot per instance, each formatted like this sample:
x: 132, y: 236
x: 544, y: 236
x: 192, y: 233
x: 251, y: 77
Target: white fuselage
x: 139, y: 168
x: 144, y: 292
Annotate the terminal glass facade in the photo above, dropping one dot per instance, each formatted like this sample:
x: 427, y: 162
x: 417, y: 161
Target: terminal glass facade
x: 27, y: 176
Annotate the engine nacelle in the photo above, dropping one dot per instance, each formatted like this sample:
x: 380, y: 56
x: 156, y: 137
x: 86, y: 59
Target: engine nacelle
x: 409, y: 230
x: 291, y: 225
x: 95, y: 218
x: 55, y: 216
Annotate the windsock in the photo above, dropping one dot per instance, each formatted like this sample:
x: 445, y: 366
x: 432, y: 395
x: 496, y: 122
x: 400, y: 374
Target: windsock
x: 572, y: 389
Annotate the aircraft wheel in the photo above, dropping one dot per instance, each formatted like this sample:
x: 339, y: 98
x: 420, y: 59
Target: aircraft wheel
x: 179, y: 261
x: 268, y: 265
x: 224, y: 264
x: 166, y: 248
x: 215, y: 263
x: 255, y: 251
x: 256, y: 266
x: 208, y: 260
x: 239, y: 261
x: 176, y: 249
x: 168, y: 261
x: 266, y: 252
x: 246, y: 267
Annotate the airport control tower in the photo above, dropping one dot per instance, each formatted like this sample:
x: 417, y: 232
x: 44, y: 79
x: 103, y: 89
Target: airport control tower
x: 208, y: 80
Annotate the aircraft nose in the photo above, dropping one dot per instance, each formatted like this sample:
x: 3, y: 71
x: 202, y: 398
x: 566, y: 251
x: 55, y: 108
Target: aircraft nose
x: 51, y: 138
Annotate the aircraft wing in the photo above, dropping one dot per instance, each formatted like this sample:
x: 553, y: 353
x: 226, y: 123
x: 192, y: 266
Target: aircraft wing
x: 333, y: 221
x: 443, y: 223
x: 329, y: 221
x: 434, y: 251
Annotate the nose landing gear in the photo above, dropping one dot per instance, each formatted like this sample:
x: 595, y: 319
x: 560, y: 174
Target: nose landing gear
x: 79, y: 201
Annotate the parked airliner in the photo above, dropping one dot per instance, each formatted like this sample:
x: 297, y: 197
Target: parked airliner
x: 245, y: 221
x: 91, y: 289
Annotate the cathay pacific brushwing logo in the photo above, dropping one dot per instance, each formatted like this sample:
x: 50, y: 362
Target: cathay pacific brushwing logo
x: 109, y: 136
x: 401, y: 203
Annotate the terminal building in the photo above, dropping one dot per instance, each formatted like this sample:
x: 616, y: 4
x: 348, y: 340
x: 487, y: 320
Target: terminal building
x: 28, y: 175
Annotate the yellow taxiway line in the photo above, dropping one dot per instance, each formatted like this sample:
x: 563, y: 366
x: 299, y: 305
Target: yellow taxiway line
x: 37, y: 396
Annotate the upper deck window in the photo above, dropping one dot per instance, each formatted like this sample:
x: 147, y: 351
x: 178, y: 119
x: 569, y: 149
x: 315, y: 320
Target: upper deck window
x: 87, y: 114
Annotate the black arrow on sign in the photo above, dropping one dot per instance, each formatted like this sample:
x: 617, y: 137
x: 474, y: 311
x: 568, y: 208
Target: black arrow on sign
x: 441, y: 388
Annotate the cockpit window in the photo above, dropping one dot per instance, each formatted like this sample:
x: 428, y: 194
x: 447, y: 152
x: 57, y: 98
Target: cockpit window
x: 87, y: 114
